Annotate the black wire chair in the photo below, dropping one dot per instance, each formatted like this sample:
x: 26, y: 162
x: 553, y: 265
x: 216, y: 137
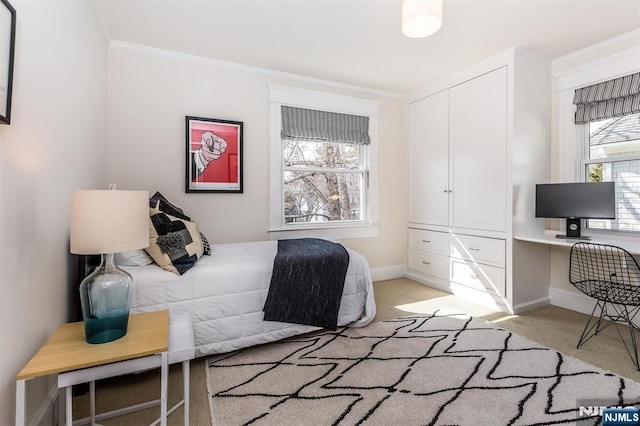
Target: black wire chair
x: 610, y: 275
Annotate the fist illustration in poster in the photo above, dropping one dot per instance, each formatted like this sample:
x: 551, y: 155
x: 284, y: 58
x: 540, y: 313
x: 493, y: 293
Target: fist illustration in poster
x: 211, y: 148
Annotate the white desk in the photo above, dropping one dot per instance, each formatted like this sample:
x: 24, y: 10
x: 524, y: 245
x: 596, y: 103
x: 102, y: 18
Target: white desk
x: 549, y: 237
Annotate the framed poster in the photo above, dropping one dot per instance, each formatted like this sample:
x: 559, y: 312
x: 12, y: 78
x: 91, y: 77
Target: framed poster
x: 214, y: 155
x: 7, y: 48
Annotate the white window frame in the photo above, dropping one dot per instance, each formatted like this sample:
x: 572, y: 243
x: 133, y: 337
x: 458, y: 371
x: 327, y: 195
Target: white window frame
x: 301, y: 98
x: 572, y: 138
x: 584, y: 152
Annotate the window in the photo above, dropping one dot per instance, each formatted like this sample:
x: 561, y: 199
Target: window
x: 323, y: 181
x: 323, y: 164
x: 612, y: 153
x: 607, y: 119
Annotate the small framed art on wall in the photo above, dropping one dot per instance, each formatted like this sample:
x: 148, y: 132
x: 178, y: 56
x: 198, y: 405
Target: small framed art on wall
x: 214, y: 155
x: 7, y: 48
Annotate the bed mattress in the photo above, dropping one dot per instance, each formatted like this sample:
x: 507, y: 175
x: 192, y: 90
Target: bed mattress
x: 224, y: 293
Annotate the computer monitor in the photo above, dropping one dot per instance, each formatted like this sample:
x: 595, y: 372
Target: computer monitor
x: 575, y: 201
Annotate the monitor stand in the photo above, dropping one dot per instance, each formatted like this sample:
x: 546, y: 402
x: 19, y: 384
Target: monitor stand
x: 573, y: 230
x: 582, y: 237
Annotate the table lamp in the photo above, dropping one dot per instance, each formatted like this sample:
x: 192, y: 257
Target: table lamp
x: 106, y: 222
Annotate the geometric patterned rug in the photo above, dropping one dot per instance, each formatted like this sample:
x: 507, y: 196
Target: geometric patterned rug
x: 435, y: 369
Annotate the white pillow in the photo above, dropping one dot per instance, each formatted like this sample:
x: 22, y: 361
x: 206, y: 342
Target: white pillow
x: 133, y: 258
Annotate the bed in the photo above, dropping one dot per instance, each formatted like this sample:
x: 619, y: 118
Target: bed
x: 225, y: 293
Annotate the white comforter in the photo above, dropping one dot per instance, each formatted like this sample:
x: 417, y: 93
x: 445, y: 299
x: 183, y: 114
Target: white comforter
x: 224, y: 293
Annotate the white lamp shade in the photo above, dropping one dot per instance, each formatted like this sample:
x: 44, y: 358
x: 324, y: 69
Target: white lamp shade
x: 105, y: 222
x: 421, y: 18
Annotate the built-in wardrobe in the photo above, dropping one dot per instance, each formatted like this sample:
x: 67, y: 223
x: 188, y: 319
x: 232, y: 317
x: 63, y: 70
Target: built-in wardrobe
x: 479, y: 141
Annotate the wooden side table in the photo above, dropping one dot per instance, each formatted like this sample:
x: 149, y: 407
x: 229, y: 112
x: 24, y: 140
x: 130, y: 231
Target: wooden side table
x: 66, y: 350
x: 181, y: 350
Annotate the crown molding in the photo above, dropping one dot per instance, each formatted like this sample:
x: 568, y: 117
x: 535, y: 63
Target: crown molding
x: 595, y: 49
x: 178, y: 56
x: 605, y: 68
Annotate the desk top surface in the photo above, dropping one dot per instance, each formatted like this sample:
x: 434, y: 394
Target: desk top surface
x: 67, y: 349
x: 549, y: 237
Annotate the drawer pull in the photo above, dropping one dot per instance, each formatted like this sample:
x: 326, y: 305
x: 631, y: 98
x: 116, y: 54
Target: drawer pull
x: 426, y: 263
x: 474, y: 276
x: 426, y: 241
x: 474, y: 248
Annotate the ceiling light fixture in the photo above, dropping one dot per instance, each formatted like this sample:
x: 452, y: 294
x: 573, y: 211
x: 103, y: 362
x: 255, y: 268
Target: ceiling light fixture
x: 421, y: 18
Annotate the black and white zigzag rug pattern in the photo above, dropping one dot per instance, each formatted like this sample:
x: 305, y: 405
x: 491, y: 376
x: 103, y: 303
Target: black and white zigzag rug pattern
x: 440, y: 369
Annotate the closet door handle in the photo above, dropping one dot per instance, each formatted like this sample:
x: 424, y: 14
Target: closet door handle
x: 474, y: 249
x: 447, y: 191
x: 426, y: 241
x: 426, y: 263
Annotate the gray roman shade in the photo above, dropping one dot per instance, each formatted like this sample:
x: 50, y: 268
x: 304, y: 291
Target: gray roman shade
x: 308, y: 124
x: 613, y: 98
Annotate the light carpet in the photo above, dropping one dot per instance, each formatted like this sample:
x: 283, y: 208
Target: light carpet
x: 440, y: 369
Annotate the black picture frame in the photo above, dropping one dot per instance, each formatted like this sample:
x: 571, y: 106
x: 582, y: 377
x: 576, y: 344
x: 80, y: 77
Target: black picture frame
x: 7, y: 52
x: 213, y: 155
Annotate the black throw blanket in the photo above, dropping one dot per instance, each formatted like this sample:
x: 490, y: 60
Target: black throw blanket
x: 307, y: 282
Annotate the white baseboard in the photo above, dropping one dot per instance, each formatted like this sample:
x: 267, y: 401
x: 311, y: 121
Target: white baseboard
x: 388, y: 272
x: 442, y: 285
x: 571, y: 300
x: 527, y: 306
x: 477, y: 296
x: 576, y: 302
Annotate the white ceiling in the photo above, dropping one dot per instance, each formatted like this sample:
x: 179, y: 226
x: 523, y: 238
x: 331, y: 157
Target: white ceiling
x: 359, y: 42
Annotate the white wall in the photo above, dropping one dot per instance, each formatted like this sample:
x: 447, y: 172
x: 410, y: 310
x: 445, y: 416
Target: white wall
x: 56, y: 142
x: 149, y: 96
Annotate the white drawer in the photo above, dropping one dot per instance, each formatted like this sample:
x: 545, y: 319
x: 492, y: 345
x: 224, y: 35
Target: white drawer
x: 480, y: 277
x: 429, y: 241
x: 490, y: 251
x: 430, y: 264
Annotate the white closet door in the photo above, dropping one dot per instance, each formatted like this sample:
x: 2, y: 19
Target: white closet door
x: 478, y: 149
x: 428, y: 159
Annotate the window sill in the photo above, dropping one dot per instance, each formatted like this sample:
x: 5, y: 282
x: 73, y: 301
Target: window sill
x: 340, y: 232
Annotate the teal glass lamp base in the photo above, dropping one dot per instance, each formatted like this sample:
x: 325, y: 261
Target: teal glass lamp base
x: 105, y: 296
x: 103, y: 330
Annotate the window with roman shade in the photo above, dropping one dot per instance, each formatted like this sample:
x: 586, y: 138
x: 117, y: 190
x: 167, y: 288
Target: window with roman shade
x: 608, y: 99
x: 607, y: 119
x: 308, y: 124
x: 322, y: 160
x: 323, y: 165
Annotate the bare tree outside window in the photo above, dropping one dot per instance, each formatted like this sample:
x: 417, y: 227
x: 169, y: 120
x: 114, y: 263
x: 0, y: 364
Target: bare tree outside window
x: 323, y: 181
